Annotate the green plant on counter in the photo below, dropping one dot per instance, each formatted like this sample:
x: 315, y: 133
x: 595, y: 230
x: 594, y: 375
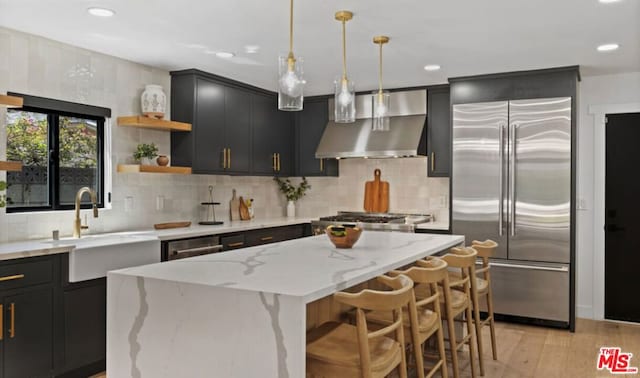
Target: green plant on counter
x: 3, y: 197
x: 144, y: 150
x: 290, y: 191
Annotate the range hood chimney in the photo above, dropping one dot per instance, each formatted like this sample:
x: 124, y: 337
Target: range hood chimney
x: 356, y: 140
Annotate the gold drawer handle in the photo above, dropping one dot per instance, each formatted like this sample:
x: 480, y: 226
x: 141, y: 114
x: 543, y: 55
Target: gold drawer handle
x: 11, y: 278
x: 266, y: 238
x: 12, y: 329
x: 238, y: 244
x: 1, y: 323
x: 321, y: 165
x: 433, y: 161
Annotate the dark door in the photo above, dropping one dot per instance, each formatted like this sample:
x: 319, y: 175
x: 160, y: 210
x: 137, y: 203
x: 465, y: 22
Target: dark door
x: 310, y: 125
x: 209, y: 127
x: 272, y: 137
x: 622, y: 224
x: 237, y: 129
x: 438, y: 132
x: 28, y: 348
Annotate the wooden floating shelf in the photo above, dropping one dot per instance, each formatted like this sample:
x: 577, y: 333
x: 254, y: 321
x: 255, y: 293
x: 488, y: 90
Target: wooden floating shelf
x: 152, y: 123
x: 10, y: 166
x: 11, y: 101
x: 135, y: 168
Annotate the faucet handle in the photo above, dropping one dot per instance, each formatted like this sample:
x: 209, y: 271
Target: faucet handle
x: 84, y: 226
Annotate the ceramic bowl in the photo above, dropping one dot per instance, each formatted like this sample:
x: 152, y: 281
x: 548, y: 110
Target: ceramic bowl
x: 343, y: 237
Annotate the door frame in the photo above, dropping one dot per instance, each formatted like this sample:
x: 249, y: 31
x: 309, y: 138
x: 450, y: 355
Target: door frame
x: 599, y: 113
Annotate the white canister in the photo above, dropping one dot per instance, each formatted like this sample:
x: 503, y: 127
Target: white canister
x: 291, y: 209
x: 153, y: 101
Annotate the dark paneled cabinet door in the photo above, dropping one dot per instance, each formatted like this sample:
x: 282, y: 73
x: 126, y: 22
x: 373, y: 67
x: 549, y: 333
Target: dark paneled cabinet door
x: 28, y: 334
x: 438, y: 132
x: 237, y: 130
x: 209, y: 127
x: 272, y: 137
x: 310, y: 124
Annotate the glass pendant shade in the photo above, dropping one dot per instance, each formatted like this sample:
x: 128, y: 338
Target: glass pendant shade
x: 380, y: 111
x: 345, y: 101
x: 290, y: 84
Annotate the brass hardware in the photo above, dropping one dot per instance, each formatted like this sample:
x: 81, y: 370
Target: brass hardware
x: 11, y: 278
x: 229, y: 158
x: 77, y: 224
x: 278, y: 161
x: 1, y: 323
x: 238, y: 244
x: 380, y: 40
x: 224, y: 158
x: 321, y: 165
x: 266, y: 238
x: 274, y: 165
x: 12, y: 328
x: 433, y: 161
x: 344, y: 16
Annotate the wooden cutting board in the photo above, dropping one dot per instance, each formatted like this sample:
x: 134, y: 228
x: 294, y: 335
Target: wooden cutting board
x: 244, y: 210
x: 234, y: 207
x: 376, y: 194
x: 164, y: 226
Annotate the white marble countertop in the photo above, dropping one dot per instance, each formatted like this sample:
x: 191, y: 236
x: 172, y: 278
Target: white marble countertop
x: 436, y: 225
x: 39, y: 247
x: 308, y: 268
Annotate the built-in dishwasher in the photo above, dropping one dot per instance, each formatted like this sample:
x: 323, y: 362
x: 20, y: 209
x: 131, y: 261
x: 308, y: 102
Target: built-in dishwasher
x: 180, y: 249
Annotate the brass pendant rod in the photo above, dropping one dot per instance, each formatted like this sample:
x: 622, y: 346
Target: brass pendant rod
x: 380, y: 40
x: 291, y: 29
x: 380, y: 72
x: 344, y: 50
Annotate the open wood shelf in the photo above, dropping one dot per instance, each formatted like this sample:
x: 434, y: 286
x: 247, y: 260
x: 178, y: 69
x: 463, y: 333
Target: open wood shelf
x: 152, y: 123
x: 10, y: 166
x: 135, y: 168
x: 11, y: 101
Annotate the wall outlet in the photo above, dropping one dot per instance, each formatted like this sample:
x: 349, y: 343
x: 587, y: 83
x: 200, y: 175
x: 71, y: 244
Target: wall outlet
x: 582, y: 203
x: 128, y: 204
x: 160, y: 203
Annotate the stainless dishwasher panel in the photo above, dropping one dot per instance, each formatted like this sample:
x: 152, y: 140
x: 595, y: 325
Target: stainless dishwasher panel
x: 181, y: 249
x: 539, y: 291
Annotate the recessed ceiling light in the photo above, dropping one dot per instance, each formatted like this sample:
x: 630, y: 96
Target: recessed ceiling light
x: 225, y: 54
x: 608, y: 1
x: 251, y: 49
x: 608, y: 47
x: 431, y: 67
x: 100, y: 12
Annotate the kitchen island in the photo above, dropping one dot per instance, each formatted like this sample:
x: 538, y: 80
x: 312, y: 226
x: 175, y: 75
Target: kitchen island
x: 240, y: 313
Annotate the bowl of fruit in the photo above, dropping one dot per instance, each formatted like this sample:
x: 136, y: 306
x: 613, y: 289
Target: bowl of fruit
x: 343, y: 236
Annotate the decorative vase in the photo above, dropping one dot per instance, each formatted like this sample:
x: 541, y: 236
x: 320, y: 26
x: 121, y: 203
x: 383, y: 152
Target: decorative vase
x: 162, y: 160
x: 146, y: 161
x: 291, y: 209
x: 153, y: 101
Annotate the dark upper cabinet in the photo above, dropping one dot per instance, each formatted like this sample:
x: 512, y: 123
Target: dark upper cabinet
x: 272, y: 138
x: 237, y: 130
x: 309, y: 126
x: 208, y: 136
x: 438, y: 131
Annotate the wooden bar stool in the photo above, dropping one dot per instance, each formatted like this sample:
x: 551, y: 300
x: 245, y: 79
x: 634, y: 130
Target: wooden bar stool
x: 457, y: 302
x: 343, y: 350
x: 422, y: 318
x: 486, y: 249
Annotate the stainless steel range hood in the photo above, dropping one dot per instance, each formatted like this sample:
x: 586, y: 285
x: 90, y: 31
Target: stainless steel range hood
x: 356, y: 140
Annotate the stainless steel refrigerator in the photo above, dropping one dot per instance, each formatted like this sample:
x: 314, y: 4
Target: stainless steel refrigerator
x: 511, y: 182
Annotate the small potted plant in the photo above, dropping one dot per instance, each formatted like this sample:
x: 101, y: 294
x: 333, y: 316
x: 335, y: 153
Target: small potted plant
x: 292, y: 192
x: 145, y: 153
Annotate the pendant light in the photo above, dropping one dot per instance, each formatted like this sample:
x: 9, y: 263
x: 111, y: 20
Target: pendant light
x: 345, y: 99
x: 380, y: 98
x: 290, y: 82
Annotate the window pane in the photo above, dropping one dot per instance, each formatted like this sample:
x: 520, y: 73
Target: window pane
x: 78, y: 158
x: 27, y: 141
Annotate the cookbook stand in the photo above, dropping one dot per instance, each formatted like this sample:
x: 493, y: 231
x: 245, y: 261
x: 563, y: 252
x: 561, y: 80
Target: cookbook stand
x: 211, y: 212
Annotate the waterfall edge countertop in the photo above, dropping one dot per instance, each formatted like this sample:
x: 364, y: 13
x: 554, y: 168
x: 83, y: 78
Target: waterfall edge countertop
x: 240, y: 313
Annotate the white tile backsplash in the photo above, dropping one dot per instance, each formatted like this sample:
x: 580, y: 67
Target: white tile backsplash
x: 41, y: 67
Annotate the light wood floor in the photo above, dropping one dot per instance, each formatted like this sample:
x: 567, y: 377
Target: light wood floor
x: 530, y: 351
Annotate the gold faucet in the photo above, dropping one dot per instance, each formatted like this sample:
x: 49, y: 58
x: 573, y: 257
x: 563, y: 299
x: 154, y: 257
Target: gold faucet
x: 77, y: 225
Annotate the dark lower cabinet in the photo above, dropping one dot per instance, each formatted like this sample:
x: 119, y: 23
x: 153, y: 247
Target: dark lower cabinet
x: 28, y: 333
x: 309, y: 126
x: 438, y: 131
x: 237, y: 240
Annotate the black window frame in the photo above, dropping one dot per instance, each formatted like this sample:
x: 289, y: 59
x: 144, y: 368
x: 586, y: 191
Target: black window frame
x: 53, y: 172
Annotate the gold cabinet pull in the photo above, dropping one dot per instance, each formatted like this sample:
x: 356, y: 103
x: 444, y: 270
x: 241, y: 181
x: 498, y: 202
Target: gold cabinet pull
x: 274, y: 165
x: 229, y: 159
x: 224, y: 158
x: 238, y: 244
x: 266, y: 238
x: 433, y: 161
x: 1, y: 323
x: 12, y: 329
x: 321, y: 165
x: 11, y: 278
x: 278, y: 161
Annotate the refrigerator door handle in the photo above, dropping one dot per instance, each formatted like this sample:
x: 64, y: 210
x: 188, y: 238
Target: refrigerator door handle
x: 501, y: 178
x: 532, y: 267
x: 512, y: 178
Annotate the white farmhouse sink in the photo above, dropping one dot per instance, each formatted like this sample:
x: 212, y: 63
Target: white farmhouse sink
x: 95, y: 255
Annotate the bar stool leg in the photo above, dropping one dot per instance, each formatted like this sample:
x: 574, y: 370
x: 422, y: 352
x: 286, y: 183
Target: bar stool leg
x: 472, y: 341
x: 492, y: 325
x: 441, y: 350
x: 478, y: 324
x: 452, y: 336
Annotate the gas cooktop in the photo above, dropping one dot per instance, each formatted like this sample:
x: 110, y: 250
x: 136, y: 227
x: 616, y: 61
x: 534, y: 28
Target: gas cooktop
x: 372, y: 221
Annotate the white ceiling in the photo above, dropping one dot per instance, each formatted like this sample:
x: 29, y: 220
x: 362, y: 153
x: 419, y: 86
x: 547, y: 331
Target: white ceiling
x: 466, y: 37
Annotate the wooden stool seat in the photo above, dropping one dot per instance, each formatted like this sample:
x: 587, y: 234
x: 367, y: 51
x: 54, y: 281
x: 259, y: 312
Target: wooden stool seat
x: 459, y: 300
x: 337, y: 344
x: 427, y: 320
x: 483, y: 285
